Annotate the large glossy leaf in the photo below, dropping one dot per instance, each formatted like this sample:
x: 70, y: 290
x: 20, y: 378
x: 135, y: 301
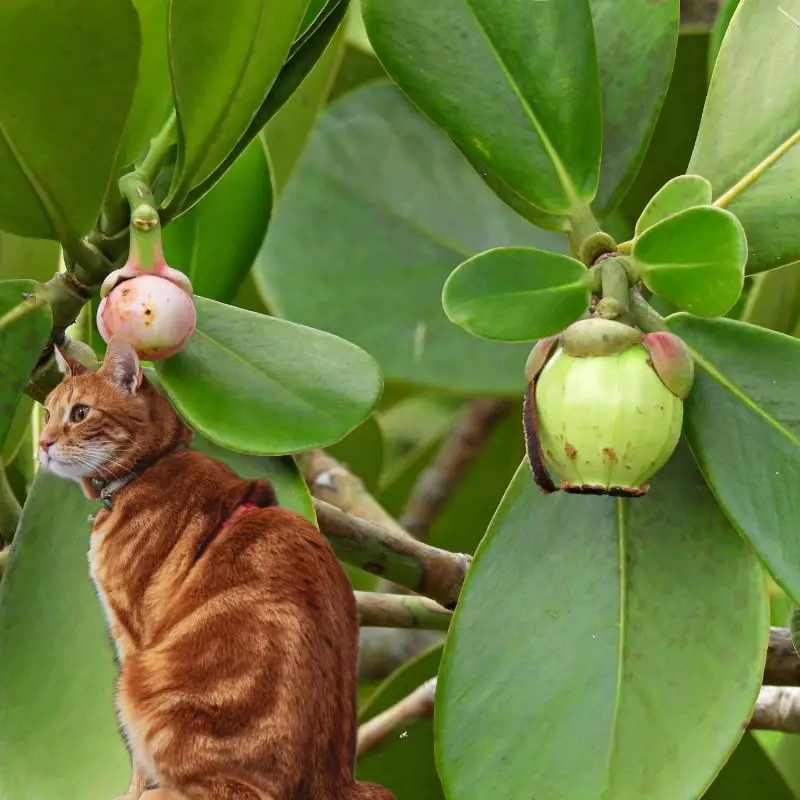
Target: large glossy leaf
x: 395, y: 208
x: 36, y: 259
x: 718, y: 31
x: 750, y: 773
x: 56, y: 697
x: 261, y: 385
x: 675, y: 132
x: 153, y: 97
x: 288, y: 131
x: 223, y: 65
x: 516, y: 294
x: 67, y: 76
x: 513, y: 82
x: 747, y: 144
x: 404, y: 762
x: 743, y: 422
x: 25, y: 324
x: 636, y: 42
x: 694, y: 259
x: 217, y: 240
x: 586, y: 638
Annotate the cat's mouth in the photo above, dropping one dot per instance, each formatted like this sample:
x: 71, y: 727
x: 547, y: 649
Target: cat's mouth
x: 71, y: 469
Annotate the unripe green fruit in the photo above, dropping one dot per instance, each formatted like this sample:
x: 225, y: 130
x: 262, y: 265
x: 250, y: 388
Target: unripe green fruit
x: 606, y: 424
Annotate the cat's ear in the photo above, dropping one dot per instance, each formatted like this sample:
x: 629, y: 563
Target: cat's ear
x: 121, y: 364
x: 68, y: 365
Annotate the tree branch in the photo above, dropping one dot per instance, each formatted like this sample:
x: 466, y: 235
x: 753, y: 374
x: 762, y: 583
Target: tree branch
x: 419, y: 704
x: 777, y: 709
x: 436, y: 484
x: 401, y: 611
x: 783, y: 663
x: 436, y: 573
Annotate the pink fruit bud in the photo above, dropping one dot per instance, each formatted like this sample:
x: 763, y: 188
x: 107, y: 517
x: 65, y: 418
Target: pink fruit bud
x: 153, y: 313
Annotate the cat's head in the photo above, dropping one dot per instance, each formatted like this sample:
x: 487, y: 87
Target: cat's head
x: 101, y: 424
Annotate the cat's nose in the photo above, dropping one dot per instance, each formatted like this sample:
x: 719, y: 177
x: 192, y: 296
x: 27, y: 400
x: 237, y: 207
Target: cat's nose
x: 45, y: 444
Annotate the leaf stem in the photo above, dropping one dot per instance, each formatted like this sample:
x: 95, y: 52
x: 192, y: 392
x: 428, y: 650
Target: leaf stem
x: 616, y: 290
x: 644, y: 316
x: 145, y: 249
x: 159, y: 145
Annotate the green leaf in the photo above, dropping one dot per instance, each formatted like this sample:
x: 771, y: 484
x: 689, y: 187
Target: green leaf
x: 395, y: 207
x: 362, y: 452
x: 404, y: 761
x: 18, y: 430
x: 694, y: 259
x: 357, y: 67
x: 514, y: 83
x: 636, y: 44
x: 718, y: 31
x: 747, y: 144
x: 304, y: 54
x: 516, y: 294
x: 774, y: 300
x: 217, y: 240
x: 223, y: 65
x: 67, y: 76
x: 679, y: 194
x: 262, y: 385
x: 288, y: 131
x: 152, y: 100
x: 25, y: 324
x: 674, y: 135
x: 749, y: 773
x: 743, y: 420
x: 585, y: 639
x: 57, y: 694
x: 36, y: 259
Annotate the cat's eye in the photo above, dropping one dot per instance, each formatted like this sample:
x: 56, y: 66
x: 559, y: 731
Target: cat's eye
x: 78, y: 413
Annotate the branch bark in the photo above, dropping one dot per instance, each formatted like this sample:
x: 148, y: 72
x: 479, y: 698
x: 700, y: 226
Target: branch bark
x: 419, y: 704
x: 459, y: 449
x: 777, y: 709
x: 783, y: 663
x: 435, y: 573
x: 401, y: 611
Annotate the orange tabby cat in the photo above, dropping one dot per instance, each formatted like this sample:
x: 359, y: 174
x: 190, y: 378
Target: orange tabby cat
x: 235, y: 627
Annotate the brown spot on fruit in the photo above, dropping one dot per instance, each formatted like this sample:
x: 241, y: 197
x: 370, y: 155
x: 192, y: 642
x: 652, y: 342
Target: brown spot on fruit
x: 570, y: 451
x: 610, y: 454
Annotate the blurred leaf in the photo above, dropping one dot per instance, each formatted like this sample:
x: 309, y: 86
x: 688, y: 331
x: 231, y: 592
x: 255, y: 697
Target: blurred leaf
x: 695, y: 259
x: 57, y: 694
x: 747, y: 141
x: 514, y: 83
x: 395, y: 209
x: 743, y: 420
x: 404, y: 761
x: 361, y: 451
x: 357, y: 67
x: 402, y: 682
x: 223, y: 65
x: 287, y: 132
x: 748, y: 774
x: 17, y: 430
x: 217, y: 240
x: 786, y: 758
x: 718, y: 31
x: 679, y: 194
x: 312, y: 12
x: 36, y: 259
x: 601, y: 621
x: 302, y: 57
x: 152, y: 100
x: 774, y: 301
x: 674, y: 135
x: 516, y: 294
x: 462, y: 523
x: 25, y: 324
x: 67, y: 76
x: 635, y: 51
x: 261, y: 385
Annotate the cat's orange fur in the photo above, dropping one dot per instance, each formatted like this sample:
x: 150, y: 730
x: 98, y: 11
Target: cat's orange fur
x: 236, y: 637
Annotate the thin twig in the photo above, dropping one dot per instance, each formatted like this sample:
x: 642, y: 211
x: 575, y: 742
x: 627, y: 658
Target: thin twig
x: 401, y: 611
x: 435, y: 573
x: 777, y: 709
x: 436, y: 483
x: 419, y: 704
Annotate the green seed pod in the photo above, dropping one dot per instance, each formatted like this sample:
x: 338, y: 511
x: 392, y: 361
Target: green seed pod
x: 604, y: 410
